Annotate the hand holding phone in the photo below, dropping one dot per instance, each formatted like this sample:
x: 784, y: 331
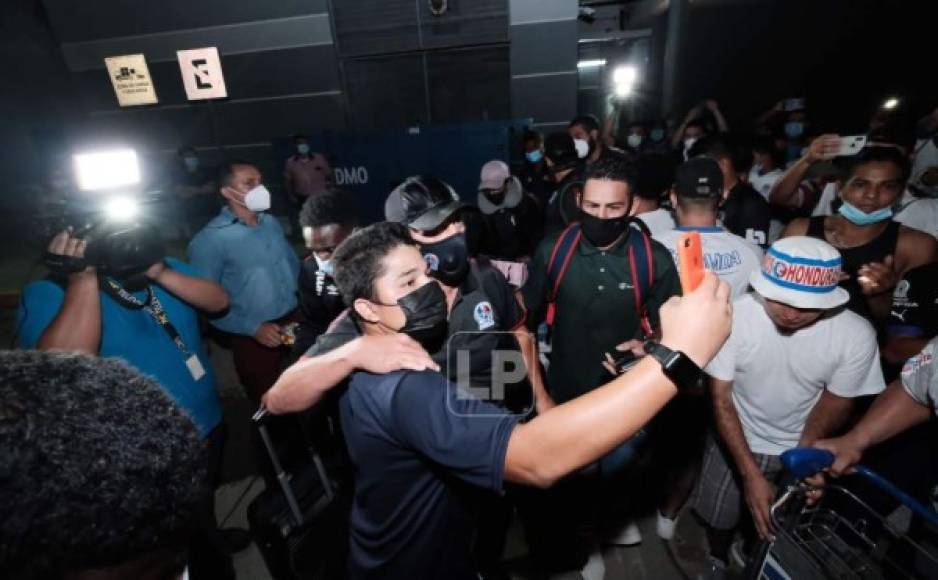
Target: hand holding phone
x: 690, y: 261
x: 851, y: 145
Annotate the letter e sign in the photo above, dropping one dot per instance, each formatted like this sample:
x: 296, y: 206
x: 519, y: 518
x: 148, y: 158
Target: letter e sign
x: 201, y: 73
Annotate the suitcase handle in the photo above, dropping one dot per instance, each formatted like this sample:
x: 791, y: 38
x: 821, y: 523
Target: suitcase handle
x: 283, y: 478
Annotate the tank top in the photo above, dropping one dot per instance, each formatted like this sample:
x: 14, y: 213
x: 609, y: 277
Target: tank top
x: 874, y: 250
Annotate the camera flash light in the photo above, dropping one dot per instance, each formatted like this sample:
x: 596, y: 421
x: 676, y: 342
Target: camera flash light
x: 106, y: 169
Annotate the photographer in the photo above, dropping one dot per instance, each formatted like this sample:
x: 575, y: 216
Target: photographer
x: 122, y: 300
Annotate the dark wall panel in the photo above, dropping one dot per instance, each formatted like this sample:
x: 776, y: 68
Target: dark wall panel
x: 466, y: 22
x: 371, y: 27
x: 251, y: 122
x: 534, y: 47
x: 386, y: 92
x: 469, y: 85
x: 374, y: 27
x: 545, y: 98
x: 77, y: 20
x: 310, y: 30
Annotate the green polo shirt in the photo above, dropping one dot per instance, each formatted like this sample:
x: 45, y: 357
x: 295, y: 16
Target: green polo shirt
x: 595, y: 310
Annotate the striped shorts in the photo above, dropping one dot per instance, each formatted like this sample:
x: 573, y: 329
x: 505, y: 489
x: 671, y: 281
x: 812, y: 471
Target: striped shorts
x: 717, y: 497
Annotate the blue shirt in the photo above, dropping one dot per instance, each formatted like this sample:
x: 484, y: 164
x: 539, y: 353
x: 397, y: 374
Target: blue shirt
x: 422, y: 455
x: 135, y: 337
x: 255, y: 264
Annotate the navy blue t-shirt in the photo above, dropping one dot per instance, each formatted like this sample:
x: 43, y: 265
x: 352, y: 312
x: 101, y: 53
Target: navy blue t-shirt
x: 422, y: 453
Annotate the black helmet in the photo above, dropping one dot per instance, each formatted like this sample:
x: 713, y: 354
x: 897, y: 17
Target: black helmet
x: 422, y: 203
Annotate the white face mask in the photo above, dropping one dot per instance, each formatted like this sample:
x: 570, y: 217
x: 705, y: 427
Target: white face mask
x: 689, y: 142
x: 258, y: 199
x: 582, y: 148
x: 325, y: 266
x: 634, y: 141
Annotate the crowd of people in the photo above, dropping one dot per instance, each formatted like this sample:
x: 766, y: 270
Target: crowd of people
x: 525, y: 352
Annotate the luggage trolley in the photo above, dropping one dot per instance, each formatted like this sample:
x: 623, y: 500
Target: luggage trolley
x: 840, y: 537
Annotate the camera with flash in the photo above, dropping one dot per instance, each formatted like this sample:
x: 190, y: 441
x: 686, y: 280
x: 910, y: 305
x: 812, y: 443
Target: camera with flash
x: 105, y: 212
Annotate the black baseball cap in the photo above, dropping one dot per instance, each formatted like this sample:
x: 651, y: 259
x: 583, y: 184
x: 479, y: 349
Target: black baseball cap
x: 422, y: 203
x: 699, y: 177
x: 559, y: 148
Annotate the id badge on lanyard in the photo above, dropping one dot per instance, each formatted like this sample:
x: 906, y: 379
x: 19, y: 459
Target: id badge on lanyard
x: 154, y: 308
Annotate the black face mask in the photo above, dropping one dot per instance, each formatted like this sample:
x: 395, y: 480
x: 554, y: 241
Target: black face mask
x: 603, y: 232
x: 425, y: 316
x: 448, y: 259
x: 496, y: 197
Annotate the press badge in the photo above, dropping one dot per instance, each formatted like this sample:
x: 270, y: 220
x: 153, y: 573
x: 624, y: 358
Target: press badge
x: 195, y: 367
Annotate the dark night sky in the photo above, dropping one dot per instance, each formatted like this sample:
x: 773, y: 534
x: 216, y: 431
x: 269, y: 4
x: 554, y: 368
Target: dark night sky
x: 845, y: 56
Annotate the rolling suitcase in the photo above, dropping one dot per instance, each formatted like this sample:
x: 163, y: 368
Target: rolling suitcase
x: 300, y: 525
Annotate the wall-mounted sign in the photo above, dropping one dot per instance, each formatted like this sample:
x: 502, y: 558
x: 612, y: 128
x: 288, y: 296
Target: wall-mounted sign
x: 201, y: 73
x: 131, y: 80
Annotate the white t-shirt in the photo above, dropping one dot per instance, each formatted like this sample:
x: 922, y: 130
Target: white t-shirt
x: 729, y: 256
x: 925, y: 159
x: 919, y: 213
x: 763, y: 182
x: 920, y: 376
x: 778, y: 378
x: 659, y: 220
x: 828, y: 195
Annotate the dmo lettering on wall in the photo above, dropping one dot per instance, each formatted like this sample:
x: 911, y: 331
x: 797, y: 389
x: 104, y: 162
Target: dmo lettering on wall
x: 350, y: 175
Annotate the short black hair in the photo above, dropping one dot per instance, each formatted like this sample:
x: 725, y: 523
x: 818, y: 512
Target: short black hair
x: 227, y: 169
x: 181, y: 152
x: 330, y: 206
x: 299, y: 136
x: 99, y: 468
x: 892, y: 154
x: 699, y: 123
x: 588, y: 122
x: 532, y: 135
x: 707, y: 203
x: 358, y: 259
x: 725, y: 146
x: 654, y: 175
x: 613, y: 168
x: 766, y: 144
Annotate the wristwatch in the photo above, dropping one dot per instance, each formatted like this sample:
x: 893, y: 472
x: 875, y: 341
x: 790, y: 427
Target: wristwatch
x: 676, y: 365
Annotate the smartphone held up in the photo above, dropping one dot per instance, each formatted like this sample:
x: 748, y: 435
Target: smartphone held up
x: 690, y: 261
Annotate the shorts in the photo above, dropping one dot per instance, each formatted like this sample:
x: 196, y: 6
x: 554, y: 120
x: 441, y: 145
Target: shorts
x: 717, y: 498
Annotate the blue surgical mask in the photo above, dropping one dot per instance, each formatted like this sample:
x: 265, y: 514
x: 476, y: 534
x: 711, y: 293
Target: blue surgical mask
x: 302, y: 149
x: 192, y: 163
x: 325, y: 266
x: 859, y: 217
x: 794, y: 129
x: 657, y: 134
x: 534, y: 156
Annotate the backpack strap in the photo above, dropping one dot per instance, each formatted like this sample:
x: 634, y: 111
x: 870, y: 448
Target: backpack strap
x: 642, y: 266
x: 557, y: 266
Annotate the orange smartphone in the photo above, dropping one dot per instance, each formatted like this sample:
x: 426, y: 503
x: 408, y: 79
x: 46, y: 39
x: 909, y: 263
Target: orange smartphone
x: 690, y: 261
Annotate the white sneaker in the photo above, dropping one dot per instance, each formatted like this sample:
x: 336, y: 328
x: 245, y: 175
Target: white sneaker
x: 595, y: 568
x: 665, y: 527
x: 716, y: 570
x: 628, y: 535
